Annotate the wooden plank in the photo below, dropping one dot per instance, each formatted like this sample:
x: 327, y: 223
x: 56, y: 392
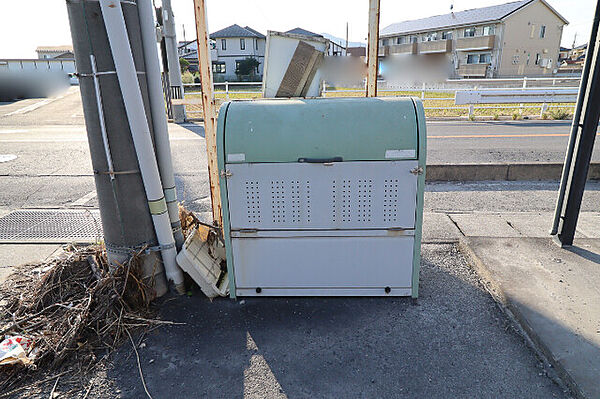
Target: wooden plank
x: 372, y: 48
x: 187, y: 101
x: 298, y: 67
x: 208, y: 107
x: 309, y: 74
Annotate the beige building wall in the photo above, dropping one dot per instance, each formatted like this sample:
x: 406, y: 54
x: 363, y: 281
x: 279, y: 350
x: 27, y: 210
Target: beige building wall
x: 521, y: 41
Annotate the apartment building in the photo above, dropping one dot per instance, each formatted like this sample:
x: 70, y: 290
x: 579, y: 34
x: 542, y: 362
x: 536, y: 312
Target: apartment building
x: 520, y: 38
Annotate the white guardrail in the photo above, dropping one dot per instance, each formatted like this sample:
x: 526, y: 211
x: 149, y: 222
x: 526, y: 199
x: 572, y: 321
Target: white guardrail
x: 546, y: 92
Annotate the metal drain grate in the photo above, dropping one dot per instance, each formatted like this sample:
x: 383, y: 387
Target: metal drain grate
x: 51, y: 226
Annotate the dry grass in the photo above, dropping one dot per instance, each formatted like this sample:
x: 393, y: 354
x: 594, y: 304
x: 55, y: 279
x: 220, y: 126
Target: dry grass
x: 73, y: 307
x: 431, y: 100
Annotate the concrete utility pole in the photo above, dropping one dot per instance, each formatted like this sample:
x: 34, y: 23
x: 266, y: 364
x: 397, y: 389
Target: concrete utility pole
x: 346, y: 39
x: 173, y: 60
x: 208, y: 107
x: 122, y: 200
x: 373, y: 48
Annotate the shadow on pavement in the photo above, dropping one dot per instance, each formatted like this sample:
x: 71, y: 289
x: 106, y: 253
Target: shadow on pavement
x: 453, y: 342
x: 194, y: 128
x: 584, y: 253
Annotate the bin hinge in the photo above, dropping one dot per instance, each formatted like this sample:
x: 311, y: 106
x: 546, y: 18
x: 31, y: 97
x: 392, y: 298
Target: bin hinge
x: 226, y: 174
x: 417, y: 171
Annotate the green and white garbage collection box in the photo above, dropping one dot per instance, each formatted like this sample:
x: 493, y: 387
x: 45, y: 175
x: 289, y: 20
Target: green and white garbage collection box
x: 322, y: 197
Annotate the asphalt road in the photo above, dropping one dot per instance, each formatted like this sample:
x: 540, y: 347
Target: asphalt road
x: 498, y: 141
x: 53, y: 169
x: 448, y: 141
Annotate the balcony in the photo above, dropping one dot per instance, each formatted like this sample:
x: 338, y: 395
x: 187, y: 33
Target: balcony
x: 473, y: 70
x: 435, y: 47
x: 475, y: 43
x: 406, y: 48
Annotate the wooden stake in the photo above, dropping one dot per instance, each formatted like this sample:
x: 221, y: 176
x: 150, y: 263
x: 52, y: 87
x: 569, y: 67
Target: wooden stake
x: 208, y: 107
x: 373, y: 48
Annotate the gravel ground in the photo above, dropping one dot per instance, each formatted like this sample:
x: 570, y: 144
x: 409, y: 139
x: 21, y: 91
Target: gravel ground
x: 453, y: 341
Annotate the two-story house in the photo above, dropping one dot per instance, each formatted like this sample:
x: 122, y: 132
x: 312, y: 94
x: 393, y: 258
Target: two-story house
x: 520, y: 38
x: 232, y: 45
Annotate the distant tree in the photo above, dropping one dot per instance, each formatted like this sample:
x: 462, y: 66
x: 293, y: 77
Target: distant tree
x: 184, y: 64
x: 247, y: 67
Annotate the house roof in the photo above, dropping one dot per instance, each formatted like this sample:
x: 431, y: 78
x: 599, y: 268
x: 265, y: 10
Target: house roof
x: 466, y: 17
x: 61, y: 49
x: 258, y: 34
x: 236, y: 31
x: 300, y: 31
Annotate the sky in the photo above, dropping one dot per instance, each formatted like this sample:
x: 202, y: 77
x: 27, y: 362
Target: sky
x: 22, y: 30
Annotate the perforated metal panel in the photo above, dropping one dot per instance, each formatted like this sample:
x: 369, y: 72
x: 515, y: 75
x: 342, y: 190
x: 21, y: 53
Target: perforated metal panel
x: 51, y: 226
x: 342, y: 195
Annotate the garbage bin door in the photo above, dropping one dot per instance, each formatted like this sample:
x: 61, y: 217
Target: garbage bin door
x: 331, y: 195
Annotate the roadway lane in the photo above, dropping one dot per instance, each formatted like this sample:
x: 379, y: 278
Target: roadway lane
x: 62, y: 109
x: 53, y: 165
x: 498, y: 141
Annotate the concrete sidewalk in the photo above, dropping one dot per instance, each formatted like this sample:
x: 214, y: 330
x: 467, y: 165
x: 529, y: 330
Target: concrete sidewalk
x: 551, y: 293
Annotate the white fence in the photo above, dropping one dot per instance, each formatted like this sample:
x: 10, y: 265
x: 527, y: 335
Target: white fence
x: 451, y: 86
x: 66, y: 66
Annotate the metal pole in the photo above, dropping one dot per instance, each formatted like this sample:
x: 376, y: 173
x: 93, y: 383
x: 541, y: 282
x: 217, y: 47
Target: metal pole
x: 131, y: 94
x: 159, y: 119
x: 586, y: 127
x: 208, y: 107
x: 373, y: 48
x: 575, y: 124
x: 173, y: 60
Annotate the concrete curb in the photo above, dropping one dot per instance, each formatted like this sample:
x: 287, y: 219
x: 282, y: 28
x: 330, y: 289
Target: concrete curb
x: 503, y: 171
x: 517, y: 318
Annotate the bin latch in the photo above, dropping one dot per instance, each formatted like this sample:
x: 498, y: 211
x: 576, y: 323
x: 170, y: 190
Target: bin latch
x: 226, y: 174
x: 417, y: 171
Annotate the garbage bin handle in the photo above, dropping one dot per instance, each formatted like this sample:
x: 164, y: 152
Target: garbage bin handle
x: 321, y: 160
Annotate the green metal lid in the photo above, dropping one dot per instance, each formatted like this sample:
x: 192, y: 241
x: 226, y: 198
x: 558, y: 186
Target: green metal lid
x: 354, y: 129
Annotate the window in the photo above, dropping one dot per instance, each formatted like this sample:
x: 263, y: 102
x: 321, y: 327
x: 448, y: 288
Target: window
x: 218, y: 67
x: 385, y: 42
x: 532, y: 31
x: 488, y: 30
x: 223, y: 44
x: 400, y: 40
x: 469, y: 32
x: 485, y: 58
x: 542, y: 31
x: 447, y: 35
x: 537, y: 59
x: 413, y: 39
x: 256, y: 44
x: 430, y: 37
x: 242, y: 44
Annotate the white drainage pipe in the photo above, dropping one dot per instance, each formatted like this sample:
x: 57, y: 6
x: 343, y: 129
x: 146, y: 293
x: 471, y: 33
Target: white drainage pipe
x: 140, y: 132
x: 159, y: 117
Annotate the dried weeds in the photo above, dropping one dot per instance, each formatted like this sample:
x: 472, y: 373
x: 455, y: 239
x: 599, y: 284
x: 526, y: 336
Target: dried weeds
x: 74, y: 307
